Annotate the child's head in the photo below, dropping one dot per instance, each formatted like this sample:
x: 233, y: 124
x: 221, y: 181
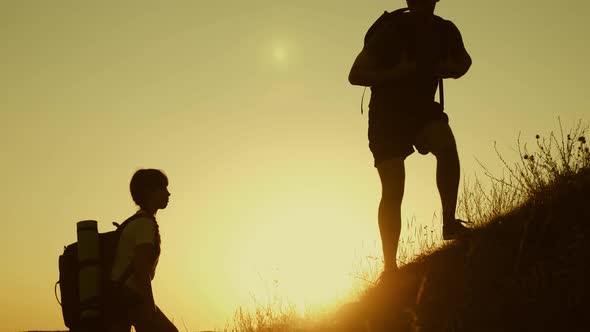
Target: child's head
x: 149, y: 189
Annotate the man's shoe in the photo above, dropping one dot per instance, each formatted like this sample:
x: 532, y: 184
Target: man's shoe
x: 455, y: 229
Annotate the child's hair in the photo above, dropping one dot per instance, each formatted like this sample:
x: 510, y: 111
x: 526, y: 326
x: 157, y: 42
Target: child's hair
x: 145, y: 181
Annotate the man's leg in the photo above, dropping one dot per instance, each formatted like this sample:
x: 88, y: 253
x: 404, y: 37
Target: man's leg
x: 448, y: 173
x: 438, y: 139
x: 392, y: 175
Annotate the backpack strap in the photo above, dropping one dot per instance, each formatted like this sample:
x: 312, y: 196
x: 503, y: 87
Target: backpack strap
x: 382, y: 19
x: 441, y: 93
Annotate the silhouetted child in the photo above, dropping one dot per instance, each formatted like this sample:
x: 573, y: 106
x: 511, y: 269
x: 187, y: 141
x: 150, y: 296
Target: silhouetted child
x: 137, y: 257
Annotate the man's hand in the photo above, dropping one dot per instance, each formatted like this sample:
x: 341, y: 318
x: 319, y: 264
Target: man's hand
x: 405, y: 68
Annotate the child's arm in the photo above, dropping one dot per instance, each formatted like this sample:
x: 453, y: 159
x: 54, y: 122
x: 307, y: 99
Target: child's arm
x: 143, y: 263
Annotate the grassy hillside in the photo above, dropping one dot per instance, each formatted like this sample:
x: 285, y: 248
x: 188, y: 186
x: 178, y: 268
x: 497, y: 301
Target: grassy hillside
x: 527, y: 270
x: 526, y: 267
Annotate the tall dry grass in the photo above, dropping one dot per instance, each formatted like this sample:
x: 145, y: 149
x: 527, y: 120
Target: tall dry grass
x: 557, y: 157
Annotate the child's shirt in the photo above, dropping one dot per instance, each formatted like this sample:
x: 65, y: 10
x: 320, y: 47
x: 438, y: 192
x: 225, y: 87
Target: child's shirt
x: 139, y: 231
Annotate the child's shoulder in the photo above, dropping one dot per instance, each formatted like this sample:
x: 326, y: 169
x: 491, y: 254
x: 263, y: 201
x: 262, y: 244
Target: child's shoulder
x: 140, y: 222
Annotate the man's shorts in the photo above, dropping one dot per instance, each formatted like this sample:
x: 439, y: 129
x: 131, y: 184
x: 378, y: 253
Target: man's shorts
x: 394, y: 134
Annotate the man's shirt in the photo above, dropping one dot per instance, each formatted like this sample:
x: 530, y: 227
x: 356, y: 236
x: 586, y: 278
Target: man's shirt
x: 427, y: 48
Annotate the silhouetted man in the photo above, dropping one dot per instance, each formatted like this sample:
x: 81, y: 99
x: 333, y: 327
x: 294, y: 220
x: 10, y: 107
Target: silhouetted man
x: 404, y: 56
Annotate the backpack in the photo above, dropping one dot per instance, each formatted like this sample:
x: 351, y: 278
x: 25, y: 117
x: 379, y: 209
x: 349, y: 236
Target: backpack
x: 93, y: 309
x: 385, y: 18
x: 393, y: 18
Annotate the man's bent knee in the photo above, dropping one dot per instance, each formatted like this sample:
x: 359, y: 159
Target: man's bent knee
x: 447, y: 153
x: 439, y: 139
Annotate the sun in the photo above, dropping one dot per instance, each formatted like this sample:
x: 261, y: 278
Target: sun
x: 279, y: 53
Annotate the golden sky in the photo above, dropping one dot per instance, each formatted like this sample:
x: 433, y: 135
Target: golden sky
x: 246, y: 106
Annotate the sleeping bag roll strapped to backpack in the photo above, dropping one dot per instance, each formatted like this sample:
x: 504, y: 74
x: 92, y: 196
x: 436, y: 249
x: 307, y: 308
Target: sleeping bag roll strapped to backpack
x: 88, y: 269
